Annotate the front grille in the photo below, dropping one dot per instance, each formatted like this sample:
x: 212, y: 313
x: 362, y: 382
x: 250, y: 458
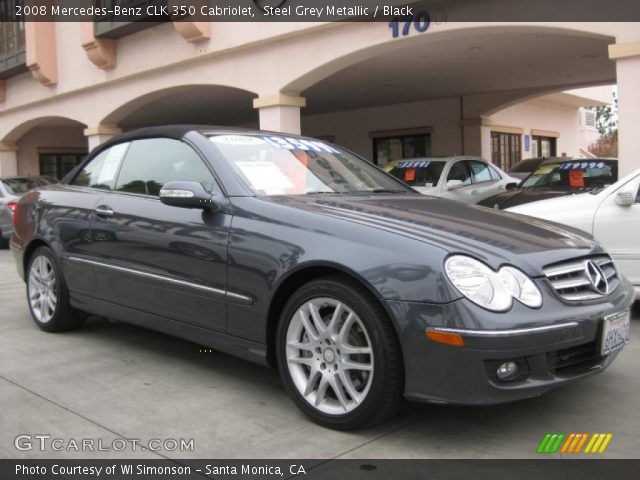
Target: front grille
x: 576, y: 280
x: 574, y: 360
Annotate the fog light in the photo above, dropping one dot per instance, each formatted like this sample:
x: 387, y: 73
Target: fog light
x: 508, y: 371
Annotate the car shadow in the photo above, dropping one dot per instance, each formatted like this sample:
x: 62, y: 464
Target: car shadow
x: 178, y: 350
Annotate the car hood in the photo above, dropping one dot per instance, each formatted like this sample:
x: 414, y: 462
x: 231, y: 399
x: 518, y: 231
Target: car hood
x: 520, y: 196
x: 489, y: 234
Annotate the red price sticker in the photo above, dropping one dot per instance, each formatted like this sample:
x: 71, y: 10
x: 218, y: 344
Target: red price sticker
x: 410, y: 175
x: 576, y: 178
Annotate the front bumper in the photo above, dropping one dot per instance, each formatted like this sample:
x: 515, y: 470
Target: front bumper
x: 553, y: 345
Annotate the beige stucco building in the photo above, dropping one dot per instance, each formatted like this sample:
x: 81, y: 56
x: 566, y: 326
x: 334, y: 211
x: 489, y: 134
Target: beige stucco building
x: 500, y: 90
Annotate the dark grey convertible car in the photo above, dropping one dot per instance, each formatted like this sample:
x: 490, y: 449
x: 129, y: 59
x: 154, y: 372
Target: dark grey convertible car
x: 292, y: 252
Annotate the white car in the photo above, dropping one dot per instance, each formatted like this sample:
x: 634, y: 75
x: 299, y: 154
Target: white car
x: 612, y: 215
x: 464, y: 178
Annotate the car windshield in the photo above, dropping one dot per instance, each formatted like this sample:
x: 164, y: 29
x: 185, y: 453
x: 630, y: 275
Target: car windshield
x: 18, y: 186
x: 419, y: 173
x: 281, y: 165
x: 573, y: 175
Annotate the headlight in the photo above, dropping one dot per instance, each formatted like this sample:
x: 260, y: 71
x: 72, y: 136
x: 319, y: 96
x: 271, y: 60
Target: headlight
x: 491, y: 290
x: 522, y: 287
x: 478, y: 283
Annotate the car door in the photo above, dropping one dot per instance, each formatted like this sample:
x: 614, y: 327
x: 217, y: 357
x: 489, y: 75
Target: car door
x: 485, y: 183
x: 459, y: 171
x: 618, y: 228
x: 155, y: 258
x: 72, y: 215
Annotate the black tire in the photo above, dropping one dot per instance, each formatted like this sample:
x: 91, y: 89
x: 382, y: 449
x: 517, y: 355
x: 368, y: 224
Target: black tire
x: 385, y: 392
x: 64, y: 317
x: 4, y: 243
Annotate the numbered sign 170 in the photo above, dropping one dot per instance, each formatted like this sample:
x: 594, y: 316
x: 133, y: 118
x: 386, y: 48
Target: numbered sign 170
x: 404, y: 25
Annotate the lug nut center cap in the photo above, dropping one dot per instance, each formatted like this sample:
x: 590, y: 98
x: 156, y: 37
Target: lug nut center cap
x: 329, y: 355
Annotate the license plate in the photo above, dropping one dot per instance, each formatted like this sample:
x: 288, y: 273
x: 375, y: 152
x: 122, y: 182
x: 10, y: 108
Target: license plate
x: 615, y: 332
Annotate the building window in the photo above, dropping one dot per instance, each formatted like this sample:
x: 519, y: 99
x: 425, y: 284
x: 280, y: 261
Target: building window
x: 389, y: 149
x: 505, y: 149
x: 12, y: 44
x: 543, y: 146
x: 57, y: 165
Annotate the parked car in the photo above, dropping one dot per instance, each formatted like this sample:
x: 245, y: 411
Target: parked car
x: 298, y: 254
x: 557, y: 177
x: 612, y: 215
x: 466, y: 179
x: 11, y: 188
x: 524, y: 168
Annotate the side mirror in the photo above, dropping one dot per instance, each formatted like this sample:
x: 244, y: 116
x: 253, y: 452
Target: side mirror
x: 454, y: 184
x: 188, y: 195
x: 625, y: 198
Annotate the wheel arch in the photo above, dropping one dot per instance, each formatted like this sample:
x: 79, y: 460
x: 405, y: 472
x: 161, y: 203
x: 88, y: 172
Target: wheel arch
x: 300, y: 276
x: 28, y: 252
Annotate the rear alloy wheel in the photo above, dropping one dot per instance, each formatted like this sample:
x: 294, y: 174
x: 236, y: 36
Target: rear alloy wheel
x: 47, y: 294
x: 43, y: 290
x: 338, y: 355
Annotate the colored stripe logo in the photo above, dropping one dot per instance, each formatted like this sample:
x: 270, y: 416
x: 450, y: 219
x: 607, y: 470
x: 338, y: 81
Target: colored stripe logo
x: 573, y: 443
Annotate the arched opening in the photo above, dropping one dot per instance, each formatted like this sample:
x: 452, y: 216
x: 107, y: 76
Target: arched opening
x: 429, y: 94
x: 187, y: 104
x: 49, y: 146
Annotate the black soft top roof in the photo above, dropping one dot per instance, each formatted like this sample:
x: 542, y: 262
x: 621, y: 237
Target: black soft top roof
x: 177, y: 132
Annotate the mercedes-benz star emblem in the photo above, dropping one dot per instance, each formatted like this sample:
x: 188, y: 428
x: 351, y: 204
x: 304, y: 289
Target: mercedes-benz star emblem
x: 597, y: 277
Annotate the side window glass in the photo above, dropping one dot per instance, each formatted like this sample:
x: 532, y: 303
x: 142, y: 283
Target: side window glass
x: 494, y: 174
x: 481, y: 172
x: 460, y: 171
x: 151, y: 163
x: 102, y: 170
x: 638, y: 195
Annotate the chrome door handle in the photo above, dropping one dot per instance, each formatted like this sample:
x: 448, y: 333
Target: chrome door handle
x: 103, y: 211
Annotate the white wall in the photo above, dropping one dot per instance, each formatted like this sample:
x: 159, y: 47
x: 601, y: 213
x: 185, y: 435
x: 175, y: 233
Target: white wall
x: 540, y: 114
x: 30, y: 145
x: 352, y: 128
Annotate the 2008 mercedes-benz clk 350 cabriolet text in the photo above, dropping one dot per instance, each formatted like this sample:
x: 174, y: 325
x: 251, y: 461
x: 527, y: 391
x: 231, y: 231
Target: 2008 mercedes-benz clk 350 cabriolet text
x: 295, y: 253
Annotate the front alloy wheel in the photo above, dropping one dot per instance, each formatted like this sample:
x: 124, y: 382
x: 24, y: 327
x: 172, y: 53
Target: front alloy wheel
x: 338, y: 354
x: 329, y: 355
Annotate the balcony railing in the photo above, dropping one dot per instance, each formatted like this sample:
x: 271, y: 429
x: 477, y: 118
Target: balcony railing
x: 12, y: 46
x: 112, y: 26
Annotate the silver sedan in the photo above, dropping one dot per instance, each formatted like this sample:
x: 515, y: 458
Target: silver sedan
x: 464, y: 178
